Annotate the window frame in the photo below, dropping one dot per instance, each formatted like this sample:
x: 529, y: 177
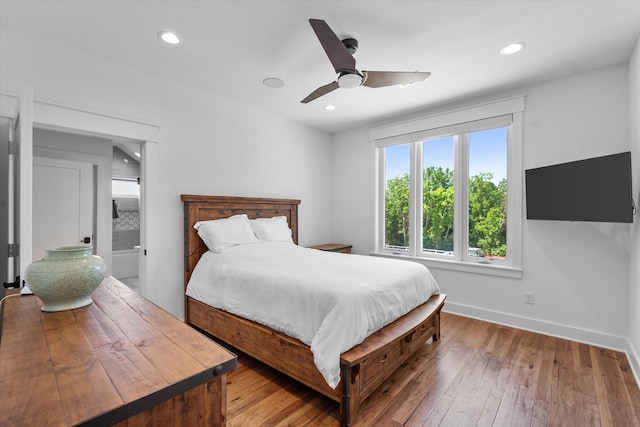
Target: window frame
x: 459, y: 123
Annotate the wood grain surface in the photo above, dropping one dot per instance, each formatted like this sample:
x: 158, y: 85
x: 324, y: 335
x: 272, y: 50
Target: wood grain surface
x: 106, y: 362
x: 478, y: 374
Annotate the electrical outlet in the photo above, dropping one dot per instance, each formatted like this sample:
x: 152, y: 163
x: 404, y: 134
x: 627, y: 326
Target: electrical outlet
x: 528, y: 298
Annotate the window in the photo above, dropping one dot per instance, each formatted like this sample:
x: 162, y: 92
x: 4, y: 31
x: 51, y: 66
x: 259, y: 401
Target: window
x: 397, y: 197
x: 487, y: 194
x: 438, y: 189
x: 452, y: 194
x: 127, y: 187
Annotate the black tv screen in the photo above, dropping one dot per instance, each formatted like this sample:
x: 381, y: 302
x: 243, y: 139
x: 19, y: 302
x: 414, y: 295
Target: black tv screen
x: 597, y: 189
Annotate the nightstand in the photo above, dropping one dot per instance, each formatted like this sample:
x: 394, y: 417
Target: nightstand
x: 333, y: 247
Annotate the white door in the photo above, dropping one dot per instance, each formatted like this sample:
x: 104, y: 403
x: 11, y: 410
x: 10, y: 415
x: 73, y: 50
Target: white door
x: 62, y: 204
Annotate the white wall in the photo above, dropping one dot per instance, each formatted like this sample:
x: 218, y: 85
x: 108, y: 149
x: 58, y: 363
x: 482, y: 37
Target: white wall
x: 634, y: 283
x: 208, y: 145
x: 579, y: 272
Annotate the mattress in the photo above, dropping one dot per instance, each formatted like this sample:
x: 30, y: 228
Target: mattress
x: 329, y: 301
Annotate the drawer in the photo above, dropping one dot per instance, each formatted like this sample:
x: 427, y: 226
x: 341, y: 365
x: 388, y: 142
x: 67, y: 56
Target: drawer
x: 419, y: 335
x: 379, y: 365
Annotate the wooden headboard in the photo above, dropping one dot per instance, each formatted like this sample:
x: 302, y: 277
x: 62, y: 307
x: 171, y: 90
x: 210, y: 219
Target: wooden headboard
x: 204, y: 208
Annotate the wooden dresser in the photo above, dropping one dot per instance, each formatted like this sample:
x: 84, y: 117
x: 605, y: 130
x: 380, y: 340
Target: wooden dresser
x: 119, y: 361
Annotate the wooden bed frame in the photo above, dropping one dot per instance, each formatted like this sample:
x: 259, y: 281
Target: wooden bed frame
x: 363, y: 368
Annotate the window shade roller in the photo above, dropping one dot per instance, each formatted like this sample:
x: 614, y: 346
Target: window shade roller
x: 472, y: 126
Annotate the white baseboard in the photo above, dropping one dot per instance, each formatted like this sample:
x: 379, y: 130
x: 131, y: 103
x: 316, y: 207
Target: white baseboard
x: 634, y: 361
x: 585, y: 336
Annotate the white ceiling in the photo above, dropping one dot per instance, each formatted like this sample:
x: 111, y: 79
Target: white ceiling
x: 231, y: 46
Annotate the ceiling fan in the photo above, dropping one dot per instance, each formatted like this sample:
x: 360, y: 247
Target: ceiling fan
x: 340, y: 54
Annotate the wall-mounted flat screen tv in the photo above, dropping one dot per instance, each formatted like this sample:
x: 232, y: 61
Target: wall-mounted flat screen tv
x: 597, y: 189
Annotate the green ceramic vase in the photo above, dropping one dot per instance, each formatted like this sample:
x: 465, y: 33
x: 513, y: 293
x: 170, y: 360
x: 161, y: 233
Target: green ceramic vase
x: 66, y: 277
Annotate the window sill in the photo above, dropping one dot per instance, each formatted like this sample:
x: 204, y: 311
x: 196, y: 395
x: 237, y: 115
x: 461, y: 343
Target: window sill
x: 467, y: 267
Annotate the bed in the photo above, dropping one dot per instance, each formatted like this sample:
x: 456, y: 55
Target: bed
x: 362, y: 369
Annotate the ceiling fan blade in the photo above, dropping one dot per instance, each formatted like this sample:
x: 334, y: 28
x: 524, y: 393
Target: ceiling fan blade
x: 392, y: 78
x: 322, y: 90
x: 338, y: 54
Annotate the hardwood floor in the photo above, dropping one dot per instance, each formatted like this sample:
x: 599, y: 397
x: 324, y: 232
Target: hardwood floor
x: 477, y: 374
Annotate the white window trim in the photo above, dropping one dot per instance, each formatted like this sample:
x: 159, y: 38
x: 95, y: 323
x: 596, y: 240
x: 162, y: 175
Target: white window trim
x: 422, y: 128
x: 463, y: 115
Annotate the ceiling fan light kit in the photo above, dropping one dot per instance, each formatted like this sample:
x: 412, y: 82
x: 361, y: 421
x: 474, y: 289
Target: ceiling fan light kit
x: 340, y: 53
x: 349, y: 81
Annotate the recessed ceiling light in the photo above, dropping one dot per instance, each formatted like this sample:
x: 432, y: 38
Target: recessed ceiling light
x: 329, y: 107
x: 273, y: 82
x: 137, y: 154
x: 169, y: 37
x: 512, y: 48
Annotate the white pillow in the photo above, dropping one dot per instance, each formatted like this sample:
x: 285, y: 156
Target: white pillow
x: 222, y: 233
x: 273, y: 229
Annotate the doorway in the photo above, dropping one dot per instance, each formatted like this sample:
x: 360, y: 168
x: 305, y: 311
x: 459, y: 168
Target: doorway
x: 26, y: 115
x: 126, y: 218
x: 72, y: 172
x: 68, y: 173
x: 6, y: 266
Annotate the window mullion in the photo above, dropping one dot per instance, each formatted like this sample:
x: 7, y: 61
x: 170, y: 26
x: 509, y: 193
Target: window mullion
x: 380, y: 202
x: 415, y: 199
x: 461, y: 199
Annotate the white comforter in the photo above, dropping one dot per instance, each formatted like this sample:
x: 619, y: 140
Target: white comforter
x: 329, y: 301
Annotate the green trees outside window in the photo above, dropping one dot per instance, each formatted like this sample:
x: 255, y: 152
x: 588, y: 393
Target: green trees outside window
x: 487, y: 212
x: 437, y: 209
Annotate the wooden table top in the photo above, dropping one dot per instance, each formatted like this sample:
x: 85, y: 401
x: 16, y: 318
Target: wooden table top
x: 331, y: 247
x: 101, y: 363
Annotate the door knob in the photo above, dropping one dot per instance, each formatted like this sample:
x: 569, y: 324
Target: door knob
x: 86, y: 240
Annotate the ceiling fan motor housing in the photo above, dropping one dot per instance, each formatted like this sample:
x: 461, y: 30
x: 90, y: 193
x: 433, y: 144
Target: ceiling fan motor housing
x: 351, y: 45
